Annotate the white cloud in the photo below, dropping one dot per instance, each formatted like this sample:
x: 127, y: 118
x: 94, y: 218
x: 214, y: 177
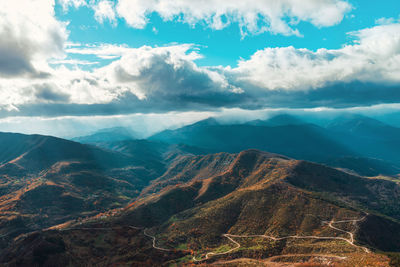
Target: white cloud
x: 253, y: 16
x: 373, y: 57
x: 104, y: 10
x: 135, y: 72
x: 73, y: 62
x: 163, y: 72
x: 104, y: 51
x: 29, y: 35
x: 62, y: 86
x: 72, y: 3
x: 167, y: 78
x: 383, y: 21
x: 159, y: 79
x: 84, y: 87
x: 73, y: 126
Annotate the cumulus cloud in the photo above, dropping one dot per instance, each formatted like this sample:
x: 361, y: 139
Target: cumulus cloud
x: 72, y: 3
x: 166, y: 78
x: 162, y: 71
x: 144, y: 79
x: 253, y: 16
x: 104, y: 10
x: 29, y: 36
x: 373, y: 57
x: 160, y: 79
x: 50, y: 93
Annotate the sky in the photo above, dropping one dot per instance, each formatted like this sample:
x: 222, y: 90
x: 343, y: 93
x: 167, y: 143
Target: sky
x: 68, y: 67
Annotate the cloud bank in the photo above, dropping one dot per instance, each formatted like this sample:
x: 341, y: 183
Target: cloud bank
x: 366, y: 71
x: 29, y: 35
x: 252, y: 16
x: 373, y: 57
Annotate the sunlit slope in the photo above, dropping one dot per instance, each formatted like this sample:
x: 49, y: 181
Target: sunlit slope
x: 260, y: 206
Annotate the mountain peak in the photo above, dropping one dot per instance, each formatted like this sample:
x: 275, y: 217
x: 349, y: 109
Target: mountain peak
x: 108, y: 135
x: 285, y: 118
x: 206, y: 122
x: 259, y: 153
x: 278, y: 120
x: 119, y: 130
x: 364, y: 126
x: 356, y: 119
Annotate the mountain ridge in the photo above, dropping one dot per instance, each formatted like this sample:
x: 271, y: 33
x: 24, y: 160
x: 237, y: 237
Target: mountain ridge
x: 259, y: 194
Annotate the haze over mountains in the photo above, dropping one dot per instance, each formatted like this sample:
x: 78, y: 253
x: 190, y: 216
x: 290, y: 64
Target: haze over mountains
x: 350, y: 141
x: 107, y: 135
x: 357, y: 138
x: 204, y: 193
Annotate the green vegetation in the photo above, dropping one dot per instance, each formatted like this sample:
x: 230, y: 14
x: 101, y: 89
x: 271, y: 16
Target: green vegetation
x: 180, y: 261
x: 394, y: 259
x: 257, y: 194
x: 182, y: 247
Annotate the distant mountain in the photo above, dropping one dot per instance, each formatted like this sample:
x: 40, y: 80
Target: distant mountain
x: 107, y: 135
x: 367, y: 137
x: 360, y: 140
x: 365, y: 166
x: 392, y: 118
x: 252, y: 207
x: 303, y: 141
x: 206, y: 122
x: 365, y: 127
x: 278, y: 120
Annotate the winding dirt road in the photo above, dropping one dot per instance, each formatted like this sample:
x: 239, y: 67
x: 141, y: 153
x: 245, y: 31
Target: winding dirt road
x: 330, y: 224
x: 271, y: 260
x: 154, y: 242
x: 220, y: 253
x: 231, y: 237
x: 351, y: 240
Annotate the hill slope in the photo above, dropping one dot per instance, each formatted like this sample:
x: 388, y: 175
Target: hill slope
x: 260, y: 206
x: 46, y: 180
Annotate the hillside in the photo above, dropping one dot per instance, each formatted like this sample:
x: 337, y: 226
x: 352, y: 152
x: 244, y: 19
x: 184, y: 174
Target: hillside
x: 365, y: 166
x: 46, y: 180
x: 223, y: 207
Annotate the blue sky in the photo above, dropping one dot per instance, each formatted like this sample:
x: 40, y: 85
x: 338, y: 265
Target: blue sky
x: 91, y: 61
x: 222, y: 47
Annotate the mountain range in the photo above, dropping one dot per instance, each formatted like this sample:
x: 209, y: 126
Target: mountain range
x: 232, y: 207
x: 360, y: 144
x: 47, y: 180
x: 107, y: 135
x: 205, y: 194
